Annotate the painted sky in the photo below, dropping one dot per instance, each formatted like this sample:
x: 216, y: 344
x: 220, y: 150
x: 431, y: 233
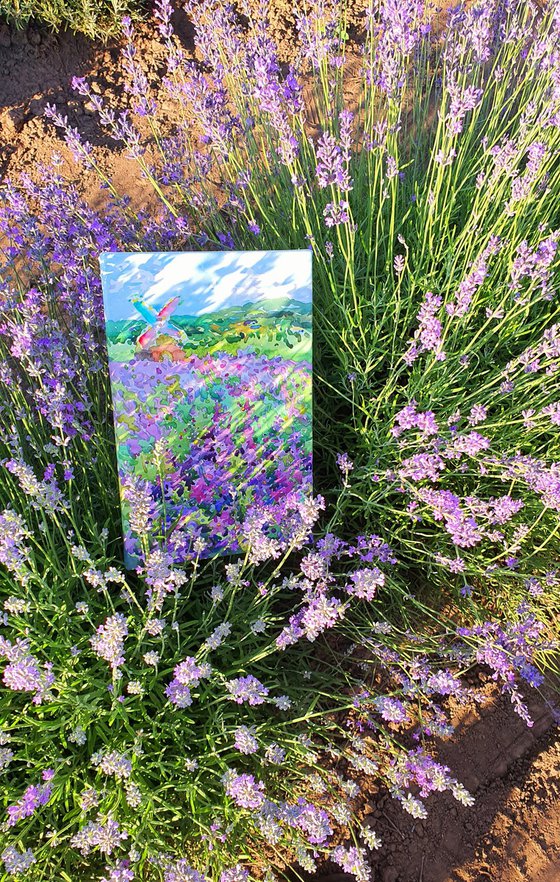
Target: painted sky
x: 205, y: 281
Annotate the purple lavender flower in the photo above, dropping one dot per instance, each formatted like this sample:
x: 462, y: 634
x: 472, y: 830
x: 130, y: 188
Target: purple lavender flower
x: 462, y: 101
x: 353, y: 860
x: 13, y: 548
x: 401, y: 30
x: 336, y: 213
x: 137, y: 494
x: 33, y: 797
x: 245, y: 740
x: 330, y: 164
x: 104, y: 835
x: 186, y: 674
x: 16, y: 862
x: 391, y: 709
x: 247, y: 689
x: 366, y: 582
x: 428, y: 336
x: 181, y: 871
x: 108, y: 642
x: 112, y: 763
x: 121, y: 872
x: 24, y: 671
x: 235, y: 874
x: 275, y: 754
x: 245, y: 791
x: 467, y: 289
x: 321, y: 613
x: 314, y: 821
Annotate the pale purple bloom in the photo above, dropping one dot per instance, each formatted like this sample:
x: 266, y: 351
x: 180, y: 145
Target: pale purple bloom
x: 331, y: 168
x: 421, y: 466
x: 344, y: 463
x: 391, y: 709
x: 314, y: 821
x: 104, y: 835
x: 428, y: 336
x: 181, y: 871
x: 186, y: 675
x: 33, y: 798
x: 122, y: 872
x: 245, y: 740
x: 392, y: 169
x: 478, y: 414
x: 13, y: 548
x: 141, y: 505
x: 235, y: 874
x: 321, y: 613
x: 275, y: 754
x: 245, y: 791
x: 453, y: 564
x: 462, y: 101
x: 109, y: 640
x: 23, y: 673
x: 112, y: 763
x: 16, y: 862
x: 247, y: 689
x: 314, y: 567
x: 366, y: 582
x: 218, y: 636
x: 467, y: 289
x: 336, y: 213
x: 353, y: 860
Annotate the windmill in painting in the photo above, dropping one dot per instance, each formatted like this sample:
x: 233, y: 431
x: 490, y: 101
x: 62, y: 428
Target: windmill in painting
x: 210, y: 365
x: 161, y: 337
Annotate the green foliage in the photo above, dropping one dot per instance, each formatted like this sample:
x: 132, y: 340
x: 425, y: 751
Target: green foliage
x: 98, y: 19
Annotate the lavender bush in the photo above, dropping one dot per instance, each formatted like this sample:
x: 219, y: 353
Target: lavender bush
x: 95, y: 20
x: 186, y: 723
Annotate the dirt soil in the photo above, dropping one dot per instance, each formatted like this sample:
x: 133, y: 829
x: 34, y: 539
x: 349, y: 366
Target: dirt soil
x: 512, y: 834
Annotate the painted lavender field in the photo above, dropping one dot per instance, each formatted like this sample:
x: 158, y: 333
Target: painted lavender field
x: 210, y: 364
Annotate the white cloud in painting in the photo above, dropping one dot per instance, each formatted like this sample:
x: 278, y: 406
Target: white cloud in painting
x: 205, y: 281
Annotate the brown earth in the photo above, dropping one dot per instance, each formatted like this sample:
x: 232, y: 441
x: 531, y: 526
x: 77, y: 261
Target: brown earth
x: 512, y: 833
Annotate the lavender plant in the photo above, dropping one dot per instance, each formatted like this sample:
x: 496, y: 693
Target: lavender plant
x: 179, y: 724
x: 157, y: 732
x: 437, y: 322
x: 97, y: 20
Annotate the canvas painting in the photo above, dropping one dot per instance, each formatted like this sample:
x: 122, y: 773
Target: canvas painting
x: 210, y: 365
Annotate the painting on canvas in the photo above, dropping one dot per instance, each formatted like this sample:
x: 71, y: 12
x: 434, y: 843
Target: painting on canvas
x: 210, y: 365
